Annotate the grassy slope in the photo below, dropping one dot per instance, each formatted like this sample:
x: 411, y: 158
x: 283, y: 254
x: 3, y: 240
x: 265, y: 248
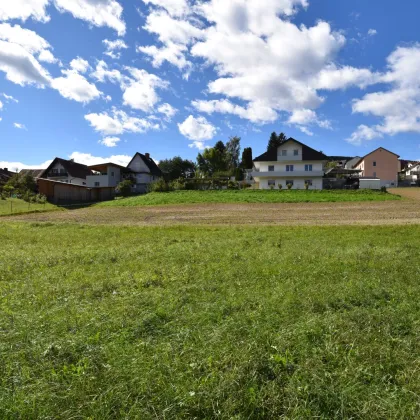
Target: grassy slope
x: 19, y: 206
x: 99, y: 322
x: 249, y: 196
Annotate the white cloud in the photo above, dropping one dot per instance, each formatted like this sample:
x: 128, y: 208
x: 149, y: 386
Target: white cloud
x: 80, y: 65
x: 47, y: 57
x: 362, y: 134
x: 97, y: 12
x: 9, y: 98
x: 197, y: 129
x: 113, y: 48
x: 398, y: 106
x: 256, y: 112
x: 74, y: 86
x: 172, y: 53
x: 333, y: 78
x: 109, y: 141
x: 24, y: 9
x: 118, y: 122
x: 1, y: 105
x: 102, y: 73
x: 307, y: 117
x: 30, y: 40
x: 168, y: 110
x: 372, y: 32
x: 88, y: 159
x: 18, y: 166
x: 20, y: 126
x: 20, y: 66
x: 140, y: 92
x: 174, y: 7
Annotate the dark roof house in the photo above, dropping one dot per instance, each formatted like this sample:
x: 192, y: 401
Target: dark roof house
x: 307, y: 153
x: 149, y: 162
x: 5, y: 175
x: 73, y: 169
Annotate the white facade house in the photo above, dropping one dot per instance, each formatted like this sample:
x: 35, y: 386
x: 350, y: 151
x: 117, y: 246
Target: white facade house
x: 145, y: 171
x: 105, y: 175
x: 412, y: 173
x: 67, y: 171
x: 350, y: 163
x: 291, y: 163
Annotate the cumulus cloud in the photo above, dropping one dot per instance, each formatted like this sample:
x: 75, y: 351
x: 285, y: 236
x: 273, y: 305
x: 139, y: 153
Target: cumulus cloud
x: 47, y: 56
x: 109, y: 141
x: 80, y: 65
x: 96, y: 12
x: 1, y: 105
x: 197, y: 129
x: 88, y: 159
x: 18, y: 166
x: 76, y: 87
x: 172, y: 53
x: 304, y: 118
x: 168, y: 110
x: 174, y: 7
x: 372, y: 32
x: 24, y: 9
x: 141, y: 91
x: 113, y: 48
x: 103, y: 74
x: 398, y: 105
x: 118, y: 122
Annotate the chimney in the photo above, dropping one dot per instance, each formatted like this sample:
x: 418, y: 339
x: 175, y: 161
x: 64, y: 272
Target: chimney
x: 6, y: 169
x: 147, y: 155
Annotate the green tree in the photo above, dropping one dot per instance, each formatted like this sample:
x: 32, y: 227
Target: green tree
x: 177, y: 168
x: 276, y: 140
x: 212, y: 160
x: 220, y: 146
x: 247, y: 158
x: 233, y: 151
x: 124, y: 187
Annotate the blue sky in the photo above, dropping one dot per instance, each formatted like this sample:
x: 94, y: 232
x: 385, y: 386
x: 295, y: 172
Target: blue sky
x: 101, y: 79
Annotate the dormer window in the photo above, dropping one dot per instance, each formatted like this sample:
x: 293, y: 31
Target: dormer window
x: 284, y: 152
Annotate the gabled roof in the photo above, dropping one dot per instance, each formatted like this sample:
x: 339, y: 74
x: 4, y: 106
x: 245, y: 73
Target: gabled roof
x: 150, y: 163
x: 35, y: 173
x: 373, y: 151
x: 74, y: 169
x: 307, y: 153
x: 5, y: 175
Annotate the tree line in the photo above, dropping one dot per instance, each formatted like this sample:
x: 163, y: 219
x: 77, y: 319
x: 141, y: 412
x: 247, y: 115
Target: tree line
x: 221, y: 160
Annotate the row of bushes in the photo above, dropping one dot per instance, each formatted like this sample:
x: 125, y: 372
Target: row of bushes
x: 182, y: 184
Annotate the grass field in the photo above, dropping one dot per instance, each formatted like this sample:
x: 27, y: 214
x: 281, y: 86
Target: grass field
x: 250, y: 196
x: 245, y: 323
x: 16, y: 206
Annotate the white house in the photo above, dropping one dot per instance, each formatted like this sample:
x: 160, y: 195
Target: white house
x: 412, y: 172
x: 105, y: 175
x: 291, y: 163
x: 145, y: 170
x: 67, y: 171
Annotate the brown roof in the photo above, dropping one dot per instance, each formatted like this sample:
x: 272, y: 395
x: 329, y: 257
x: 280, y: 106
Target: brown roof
x: 379, y: 148
x: 35, y: 173
x: 100, y: 166
x: 74, y: 169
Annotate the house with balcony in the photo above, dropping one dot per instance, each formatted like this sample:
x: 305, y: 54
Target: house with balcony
x: 292, y: 163
x: 380, y: 164
x: 67, y: 171
x: 106, y: 175
x: 411, y: 173
x: 145, y: 171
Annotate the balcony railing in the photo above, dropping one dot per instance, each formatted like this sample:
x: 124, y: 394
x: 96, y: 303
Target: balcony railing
x: 289, y: 174
x: 58, y: 175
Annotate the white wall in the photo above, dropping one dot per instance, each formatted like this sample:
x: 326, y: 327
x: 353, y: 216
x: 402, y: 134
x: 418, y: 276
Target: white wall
x: 290, y: 147
x: 137, y: 165
x: 297, y: 166
x: 298, y: 183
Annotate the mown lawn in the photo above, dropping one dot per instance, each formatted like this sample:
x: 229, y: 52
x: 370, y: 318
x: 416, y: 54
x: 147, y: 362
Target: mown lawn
x: 205, y: 323
x: 17, y: 206
x: 249, y: 196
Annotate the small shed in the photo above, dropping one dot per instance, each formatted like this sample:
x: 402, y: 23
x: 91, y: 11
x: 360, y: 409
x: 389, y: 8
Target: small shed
x: 62, y: 193
x: 369, y: 183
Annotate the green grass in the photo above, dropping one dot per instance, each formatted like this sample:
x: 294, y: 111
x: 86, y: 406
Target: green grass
x: 250, y: 196
x: 206, y: 323
x: 17, y: 206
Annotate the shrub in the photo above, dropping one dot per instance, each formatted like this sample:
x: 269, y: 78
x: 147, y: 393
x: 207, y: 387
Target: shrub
x: 383, y: 189
x: 306, y: 186
x: 289, y: 186
x: 124, y: 188
x: 179, y: 184
x: 233, y: 185
x: 161, y: 186
x: 280, y: 187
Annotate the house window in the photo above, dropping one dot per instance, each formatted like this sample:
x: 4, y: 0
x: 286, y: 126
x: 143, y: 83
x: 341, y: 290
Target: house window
x: 84, y: 183
x: 374, y: 163
x: 309, y: 182
x: 271, y: 183
x: 296, y: 152
x: 97, y: 184
x: 289, y: 168
x: 271, y: 168
x: 112, y: 173
x: 308, y: 168
x: 374, y: 174
x: 284, y: 152
x: 289, y: 182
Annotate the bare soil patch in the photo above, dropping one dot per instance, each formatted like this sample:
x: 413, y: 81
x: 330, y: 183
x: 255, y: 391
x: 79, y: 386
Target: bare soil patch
x: 412, y: 193
x: 365, y: 213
